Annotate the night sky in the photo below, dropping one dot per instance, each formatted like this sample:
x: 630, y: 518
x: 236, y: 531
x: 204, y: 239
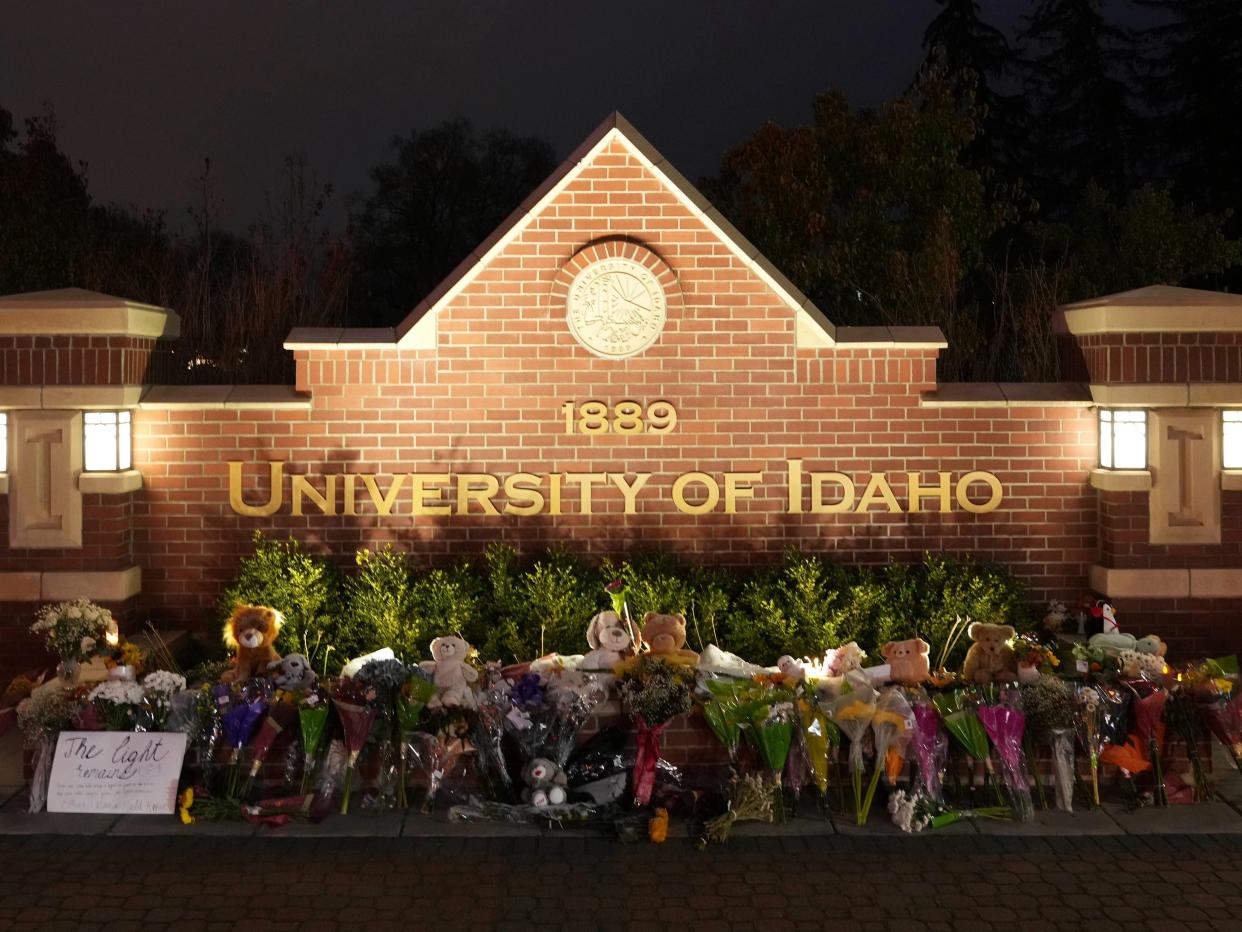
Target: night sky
x: 145, y: 90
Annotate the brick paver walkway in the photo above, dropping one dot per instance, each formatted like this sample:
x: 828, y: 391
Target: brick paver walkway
x: 1153, y: 884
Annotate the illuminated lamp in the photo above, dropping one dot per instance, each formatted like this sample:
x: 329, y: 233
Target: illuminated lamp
x: 1231, y: 436
x: 106, y: 441
x: 1123, y: 439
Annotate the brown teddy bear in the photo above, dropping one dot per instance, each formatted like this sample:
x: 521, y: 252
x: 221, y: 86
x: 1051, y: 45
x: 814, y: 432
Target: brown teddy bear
x: 251, y: 631
x: 666, y: 635
x: 990, y: 658
x: 907, y: 661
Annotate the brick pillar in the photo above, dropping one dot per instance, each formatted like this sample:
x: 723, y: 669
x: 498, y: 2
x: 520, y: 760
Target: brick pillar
x: 64, y: 356
x: 1171, y: 530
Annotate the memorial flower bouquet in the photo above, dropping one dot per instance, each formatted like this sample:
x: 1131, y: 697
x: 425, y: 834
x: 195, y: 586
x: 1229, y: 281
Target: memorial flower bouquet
x: 1049, y: 707
x: 653, y: 691
x: 388, y: 677
x: 160, y: 686
x: 957, y: 710
x: 313, y: 709
x: 728, y: 709
x: 42, y: 717
x: 931, y: 749
x: 76, y: 631
x: 915, y: 811
x: 411, y: 699
x: 1005, y: 725
x: 891, y: 725
x: 492, y: 704
x: 241, y: 711
x: 852, y: 712
x: 119, y: 703
x: 820, y: 737
x: 355, y: 704
x: 1224, y: 720
x: 772, y: 727
x: 1149, y: 702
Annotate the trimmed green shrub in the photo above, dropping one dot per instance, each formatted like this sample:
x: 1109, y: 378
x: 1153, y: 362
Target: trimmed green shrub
x: 303, y: 587
x: 381, y: 602
x: 538, y: 610
x: 515, y: 611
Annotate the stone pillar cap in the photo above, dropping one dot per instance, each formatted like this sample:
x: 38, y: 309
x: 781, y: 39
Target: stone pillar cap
x: 78, y: 312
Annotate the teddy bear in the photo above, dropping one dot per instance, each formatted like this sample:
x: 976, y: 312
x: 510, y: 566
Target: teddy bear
x: 251, y: 630
x: 1150, y: 651
x: 610, y: 643
x: 292, y: 672
x: 451, y: 673
x: 666, y: 636
x: 545, y: 783
x: 990, y: 658
x: 908, y: 661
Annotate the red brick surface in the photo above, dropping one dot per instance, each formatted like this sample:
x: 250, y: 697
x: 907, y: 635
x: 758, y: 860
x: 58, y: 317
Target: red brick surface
x: 1163, y: 357
x: 489, y: 400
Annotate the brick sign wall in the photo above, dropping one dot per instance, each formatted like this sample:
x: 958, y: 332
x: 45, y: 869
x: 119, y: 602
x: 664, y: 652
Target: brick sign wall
x: 512, y: 405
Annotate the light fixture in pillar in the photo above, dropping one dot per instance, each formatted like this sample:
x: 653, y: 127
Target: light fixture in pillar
x: 4, y: 442
x: 106, y: 441
x: 1231, y: 437
x: 1123, y: 439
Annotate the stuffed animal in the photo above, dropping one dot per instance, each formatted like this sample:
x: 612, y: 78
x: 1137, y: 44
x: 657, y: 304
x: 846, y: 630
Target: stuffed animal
x: 1056, y: 616
x: 907, y: 660
x: 666, y: 635
x: 292, y: 672
x: 990, y: 658
x: 451, y: 673
x: 792, y: 670
x: 545, y: 783
x: 1112, y: 644
x: 610, y: 643
x: 844, y: 659
x: 251, y: 631
x: 1151, y: 651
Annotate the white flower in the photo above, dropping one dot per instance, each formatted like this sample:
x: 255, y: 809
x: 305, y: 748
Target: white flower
x: 73, y: 612
x: 119, y: 692
x: 163, y: 682
x: 88, y: 644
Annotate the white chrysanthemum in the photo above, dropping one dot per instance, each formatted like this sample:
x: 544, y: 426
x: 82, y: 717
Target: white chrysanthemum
x: 120, y: 692
x: 87, y: 644
x: 73, y: 612
x: 163, y: 682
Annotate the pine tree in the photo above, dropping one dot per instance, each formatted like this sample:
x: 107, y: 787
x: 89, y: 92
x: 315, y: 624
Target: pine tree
x: 1076, y: 72
x: 978, y: 57
x: 1193, y: 86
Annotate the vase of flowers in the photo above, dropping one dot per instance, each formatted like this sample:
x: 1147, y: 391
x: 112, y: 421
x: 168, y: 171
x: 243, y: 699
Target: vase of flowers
x: 76, y: 631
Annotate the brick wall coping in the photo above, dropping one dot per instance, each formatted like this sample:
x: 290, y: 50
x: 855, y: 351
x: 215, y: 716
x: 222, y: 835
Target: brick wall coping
x: 105, y: 586
x: 1121, y: 480
x: 363, y: 338
x: 336, y: 338
x: 1167, y: 394
x: 1155, y: 309
x: 1150, y: 583
x: 890, y: 338
x: 57, y: 397
x: 76, y: 311
x: 1008, y: 395
x: 814, y: 329
x: 172, y: 397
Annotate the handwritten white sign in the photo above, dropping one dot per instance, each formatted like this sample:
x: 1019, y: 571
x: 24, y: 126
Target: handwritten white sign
x: 116, y: 771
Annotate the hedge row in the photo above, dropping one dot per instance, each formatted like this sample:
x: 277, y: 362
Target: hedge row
x: 514, y: 610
